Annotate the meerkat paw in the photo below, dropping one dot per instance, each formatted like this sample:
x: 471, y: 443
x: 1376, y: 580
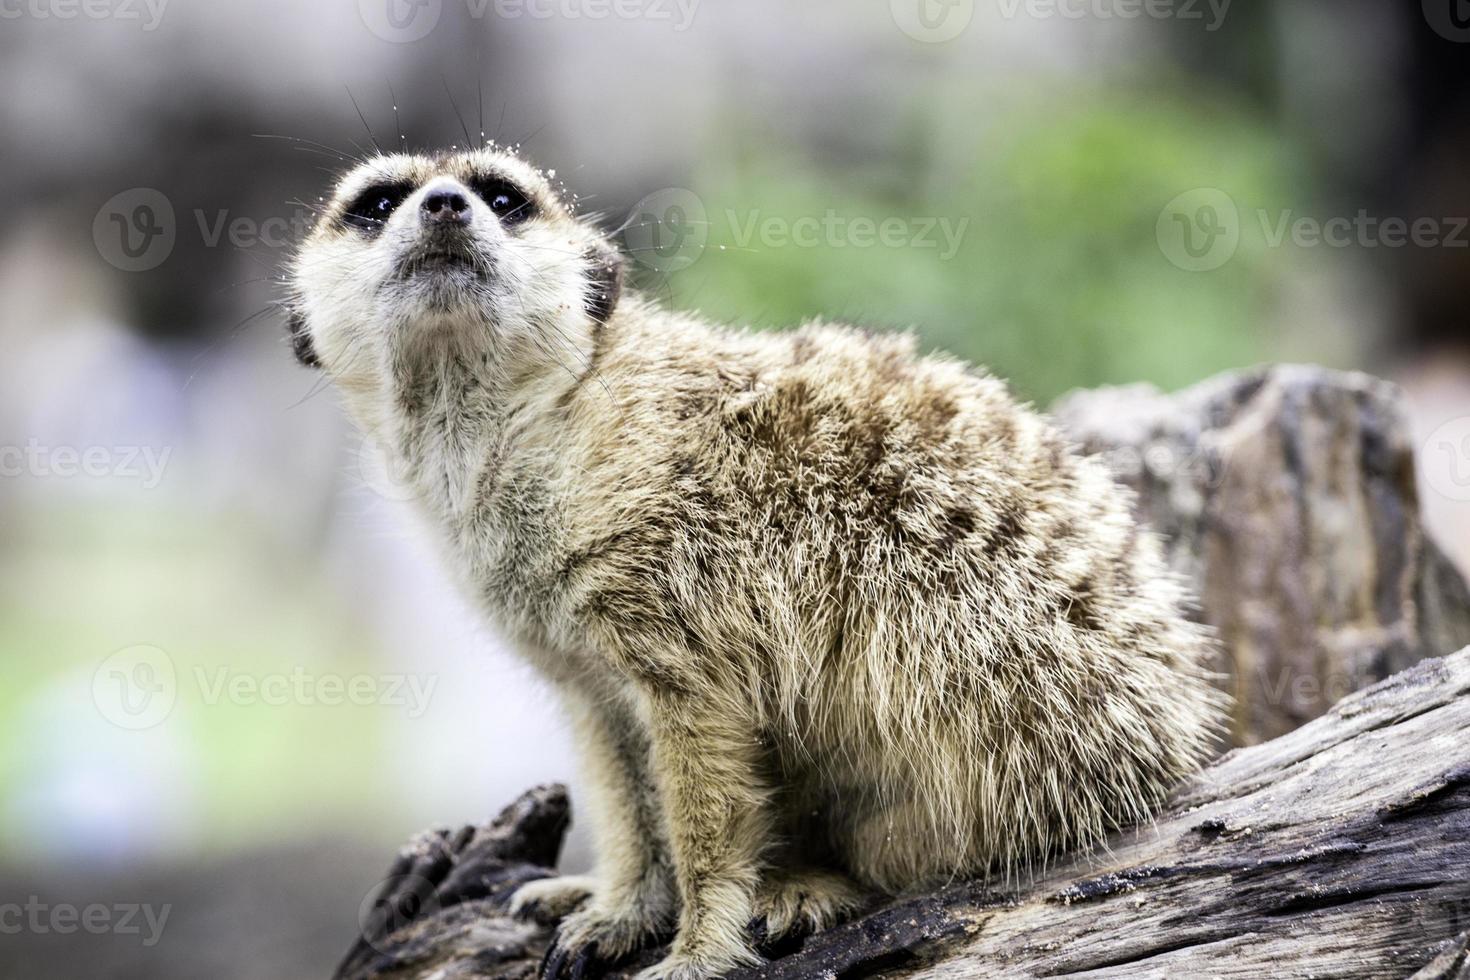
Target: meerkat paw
x: 549, y: 900
x: 801, y: 901
x: 593, y: 938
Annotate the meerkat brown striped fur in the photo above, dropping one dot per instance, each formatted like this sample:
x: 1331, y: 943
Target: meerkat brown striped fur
x: 830, y: 619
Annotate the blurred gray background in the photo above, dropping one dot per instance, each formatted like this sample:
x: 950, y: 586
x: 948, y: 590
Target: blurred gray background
x: 235, y: 678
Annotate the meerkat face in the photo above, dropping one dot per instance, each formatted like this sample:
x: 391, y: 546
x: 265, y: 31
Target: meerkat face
x: 471, y: 249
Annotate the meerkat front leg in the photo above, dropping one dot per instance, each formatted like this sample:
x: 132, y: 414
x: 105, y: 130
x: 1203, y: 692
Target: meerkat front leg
x: 708, y: 762
x: 630, y: 898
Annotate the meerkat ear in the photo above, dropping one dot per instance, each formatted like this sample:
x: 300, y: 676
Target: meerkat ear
x: 301, y: 344
x: 604, y: 280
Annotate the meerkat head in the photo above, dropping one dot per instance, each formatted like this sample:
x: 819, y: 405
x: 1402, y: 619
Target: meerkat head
x: 472, y: 252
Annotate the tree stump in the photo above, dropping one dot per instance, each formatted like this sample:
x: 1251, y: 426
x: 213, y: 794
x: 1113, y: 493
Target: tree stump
x: 1287, y: 496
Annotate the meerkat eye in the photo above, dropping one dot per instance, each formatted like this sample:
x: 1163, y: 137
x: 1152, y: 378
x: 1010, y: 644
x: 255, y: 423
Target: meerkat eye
x: 505, y: 199
x: 374, y: 206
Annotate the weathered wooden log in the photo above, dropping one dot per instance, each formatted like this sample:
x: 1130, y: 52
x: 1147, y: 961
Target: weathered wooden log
x: 1287, y: 495
x: 1341, y: 849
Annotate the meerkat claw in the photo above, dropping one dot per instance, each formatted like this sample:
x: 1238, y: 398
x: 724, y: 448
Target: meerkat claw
x: 554, y: 957
x: 570, y: 962
x: 587, y: 959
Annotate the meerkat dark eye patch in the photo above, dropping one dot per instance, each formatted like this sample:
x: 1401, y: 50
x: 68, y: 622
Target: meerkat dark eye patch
x: 509, y: 203
x: 604, y: 281
x: 371, y: 209
x: 301, y: 344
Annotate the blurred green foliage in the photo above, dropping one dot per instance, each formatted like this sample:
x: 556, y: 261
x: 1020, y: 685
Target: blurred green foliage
x: 1059, y: 280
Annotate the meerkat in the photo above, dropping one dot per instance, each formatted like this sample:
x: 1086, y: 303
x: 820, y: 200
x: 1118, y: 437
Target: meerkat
x: 832, y: 620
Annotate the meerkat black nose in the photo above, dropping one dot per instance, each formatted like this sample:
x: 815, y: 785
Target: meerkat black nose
x: 445, y: 207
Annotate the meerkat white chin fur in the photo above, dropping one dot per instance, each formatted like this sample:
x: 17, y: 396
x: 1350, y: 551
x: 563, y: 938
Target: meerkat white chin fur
x: 831, y: 619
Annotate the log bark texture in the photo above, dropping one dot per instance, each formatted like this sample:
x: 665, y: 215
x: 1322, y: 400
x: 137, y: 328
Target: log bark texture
x: 1287, y: 496
x: 1339, y: 850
